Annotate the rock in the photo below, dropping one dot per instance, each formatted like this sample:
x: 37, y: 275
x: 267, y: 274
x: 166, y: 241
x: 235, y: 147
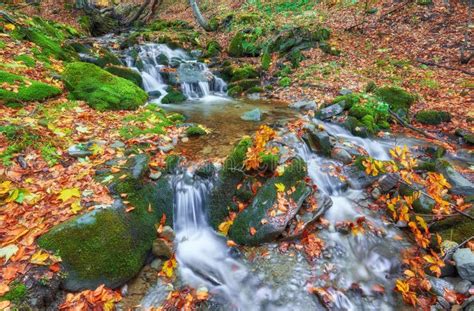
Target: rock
x: 117, y: 144
x: 192, y: 73
x: 358, y: 179
x: 167, y: 233
x: 303, y: 105
x: 376, y: 193
x: 155, y: 175
x: 454, y: 228
x: 318, y: 141
x: 341, y: 155
x: 466, y: 135
x: 324, y: 202
x: 439, y: 285
x: 252, y: 216
x: 162, y: 249
x: 174, y: 96
x: 156, y: 264
x: 154, y: 94
x: 464, y: 259
x: 101, y: 89
x: 252, y: 115
x: 449, y: 247
x: 206, y: 170
x: 126, y: 73
x: 463, y: 287
x: 443, y: 303
x: 185, y: 139
x: 432, y: 117
x: 468, y: 304
x: 459, y: 184
x: 344, y: 91
x: 166, y: 148
x: 388, y: 181
x: 139, y: 165
x: 80, y: 150
x: 329, y: 112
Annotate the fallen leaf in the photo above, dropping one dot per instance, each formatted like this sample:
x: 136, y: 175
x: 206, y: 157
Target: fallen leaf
x: 8, y: 251
x: 67, y: 194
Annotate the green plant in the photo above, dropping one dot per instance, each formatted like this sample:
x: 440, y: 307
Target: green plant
x: 49, y: 154
x: 284, y: 82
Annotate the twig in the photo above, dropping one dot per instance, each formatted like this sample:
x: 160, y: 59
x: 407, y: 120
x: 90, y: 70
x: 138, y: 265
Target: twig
x: 7, y: 17
x: 452, y: 250
x: 409, y: 126
x: 428, y: 63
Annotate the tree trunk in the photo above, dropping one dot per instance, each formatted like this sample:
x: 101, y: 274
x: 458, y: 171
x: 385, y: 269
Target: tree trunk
x: 197, y: 14
x: 138, y: 13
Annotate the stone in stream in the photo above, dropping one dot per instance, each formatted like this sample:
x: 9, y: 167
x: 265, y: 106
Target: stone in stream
x: 109, y: 245
x: 388, y: 181
x: 257, y: 214
x: 252, y: 115
x: 318, y: 141
x: 329, y: 112
x: 162, y: 248
x: 303, y: 105
x: 341, y: 155
x: 464, y: 258
x: 439, y: 285
x: 459, y: 184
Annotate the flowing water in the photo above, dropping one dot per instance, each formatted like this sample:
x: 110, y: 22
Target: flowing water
x: 351, y: 267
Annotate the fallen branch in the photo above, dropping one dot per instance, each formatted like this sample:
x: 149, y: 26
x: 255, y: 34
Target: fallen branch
x: 409, y: 126
x: 7, y: 17
x: 428, y: 63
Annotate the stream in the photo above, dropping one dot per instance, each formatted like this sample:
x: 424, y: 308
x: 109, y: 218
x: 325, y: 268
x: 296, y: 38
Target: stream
x: 263, y: 278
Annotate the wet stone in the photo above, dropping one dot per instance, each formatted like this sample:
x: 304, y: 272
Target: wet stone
x: 252, y: 115
x: 329, y: 112
x: 303, y: 105
x: 464, y: 259
x: 162, y: 249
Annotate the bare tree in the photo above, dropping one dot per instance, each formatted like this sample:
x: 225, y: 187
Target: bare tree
x: 202, y: 21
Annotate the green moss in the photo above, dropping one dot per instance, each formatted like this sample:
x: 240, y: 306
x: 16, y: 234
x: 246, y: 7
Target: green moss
x: 255, y: 89
x: 397, y: 98
x: 108, y: 58
x: 236, y: 48
x: 49, y: 46
x: 266, y: 197
x: 28, y: 90
x: 244, y: 85
x: 173, y: 97
x: 26, y: 59
x: 213, y: 49
x: 195, y: 131
x: 126, y: 73
x: 245, y: 72
x: 284, y: 82
x: 349, y: 100
x: 176, y: 117
x: 432, y: 117
x: 369, y: 124
x: 235, y: 90
x: 2, y: 44
x: 165, y: 25
x: 172, y: 161
x: 234, y: 163
x: 359, y: 111
x: 100, y: 89
x: 266, y: 61
x: 17, y: 293
x: 269, y: 161
x: 97, y: 247
x: 429, y: 166
x: 456, y: 228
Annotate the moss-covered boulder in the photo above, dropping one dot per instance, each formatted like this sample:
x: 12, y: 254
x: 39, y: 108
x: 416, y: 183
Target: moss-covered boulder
x: 432, y: 117
x: 455, y: 228
x: 213, y: 49
x: 236, y: 46
x: 257, y: 224
x: 244, y: 72
x: 17, y: 89
x: 466, y: 135
x: 101, y: 89
x: 221, y: 200
x: 174, y: 96
x: 398, y: 99
x: 107, y: 58
x: 109, y: 246
x: 126, y: 73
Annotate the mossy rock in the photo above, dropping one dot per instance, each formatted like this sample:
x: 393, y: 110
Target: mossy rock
x: 173, y: 97
x: 347, y: 101
x: 235, y: 90
x: 455, y: 228
x: 28, y: 90
x: 397, y: 98
x: 195, y: 131
x: 239, y: 46
x: 126, y: 73
x: 266, y: 61
x: 172, y: 162
x: 108, y: 58
x: 245, y: 72
x: 49, y: 46
x: 101, y: 89
x: 245, y: 84
x: 432, y: 117
x: 99, y: 24
x: 221, y: 200
x: 109, y: 246
x: 359, y: 111
x: 266, y: 197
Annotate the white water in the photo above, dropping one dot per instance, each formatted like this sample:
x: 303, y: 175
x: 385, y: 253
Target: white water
x: 194, y: 78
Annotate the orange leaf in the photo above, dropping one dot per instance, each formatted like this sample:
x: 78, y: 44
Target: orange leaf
x: 252, y: 231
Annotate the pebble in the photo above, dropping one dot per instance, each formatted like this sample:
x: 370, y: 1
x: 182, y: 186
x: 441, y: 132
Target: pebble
x: 155, y: 175
x: 185, y: 139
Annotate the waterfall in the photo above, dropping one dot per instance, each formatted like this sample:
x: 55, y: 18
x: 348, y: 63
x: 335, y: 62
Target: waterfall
x: 162, y: 67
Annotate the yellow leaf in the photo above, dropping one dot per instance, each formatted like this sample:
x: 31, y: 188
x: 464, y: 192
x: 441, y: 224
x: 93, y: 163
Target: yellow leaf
x: 280, y: 187
x: 76, y: 207
x: 9, y: 27
x: 5, y: 187
x: 96, y: 149
x: 66, y: 194
x: 225, y: 226
x: 39, y: 258
x: 169, y: 266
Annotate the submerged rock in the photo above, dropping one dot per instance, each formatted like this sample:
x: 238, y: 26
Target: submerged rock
x: 258, y: 216
x: 252, y: 115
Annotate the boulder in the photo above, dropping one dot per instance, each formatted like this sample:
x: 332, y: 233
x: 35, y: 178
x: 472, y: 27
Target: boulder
x: 432, y: 117
x: 341, y: 155
x: 101, y: 89
x: 439, y: 285
x: 318, y: 141
x: 303, y: 105
x: 162, y: 248
x: 464, y: 258
x: 257, y: 215
x: 388, y: 181
x: 329, y: 112
x: 459, y: 184
x: 126, y: 73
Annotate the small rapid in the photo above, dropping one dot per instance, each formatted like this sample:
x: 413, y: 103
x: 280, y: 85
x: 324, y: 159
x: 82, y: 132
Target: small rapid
x: 162, y: 67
